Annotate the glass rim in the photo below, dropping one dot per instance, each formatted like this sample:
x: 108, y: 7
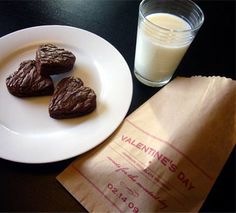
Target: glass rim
x: 174, y: 30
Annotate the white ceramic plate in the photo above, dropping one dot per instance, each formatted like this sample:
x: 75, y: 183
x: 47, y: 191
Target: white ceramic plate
x: 27, y: 133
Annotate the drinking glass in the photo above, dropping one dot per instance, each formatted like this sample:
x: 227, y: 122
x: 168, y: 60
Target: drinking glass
x: 166, y: 29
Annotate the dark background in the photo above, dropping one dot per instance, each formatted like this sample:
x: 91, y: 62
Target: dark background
x: 26, y: 187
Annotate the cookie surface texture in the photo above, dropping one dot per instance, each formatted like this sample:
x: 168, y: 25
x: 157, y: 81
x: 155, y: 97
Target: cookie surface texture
x: 52, y: 60
x: 71, y: 99
x: 27, y: 81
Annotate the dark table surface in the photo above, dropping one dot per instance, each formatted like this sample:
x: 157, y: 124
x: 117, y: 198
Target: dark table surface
x: 27, y: 187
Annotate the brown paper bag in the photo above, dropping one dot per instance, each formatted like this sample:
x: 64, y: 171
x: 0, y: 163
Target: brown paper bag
x: 165, y: 156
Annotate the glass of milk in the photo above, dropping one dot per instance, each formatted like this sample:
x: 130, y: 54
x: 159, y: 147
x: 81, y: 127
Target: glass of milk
x: 166, y: 29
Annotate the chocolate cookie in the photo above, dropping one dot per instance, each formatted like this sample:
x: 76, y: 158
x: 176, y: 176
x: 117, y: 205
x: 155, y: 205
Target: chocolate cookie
x: 27, y: 81
x: 52, y: 60
x: 71, y: 99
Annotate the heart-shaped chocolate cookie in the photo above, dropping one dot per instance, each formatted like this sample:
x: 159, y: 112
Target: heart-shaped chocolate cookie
x: 52, y: 60
x: 71, y: 99
x: 27, y: 81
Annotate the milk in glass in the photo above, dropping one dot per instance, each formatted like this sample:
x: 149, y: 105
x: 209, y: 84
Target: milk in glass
x: 162, y: 41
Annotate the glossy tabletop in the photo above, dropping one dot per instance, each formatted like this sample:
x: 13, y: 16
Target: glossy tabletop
x: 29, y: 187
